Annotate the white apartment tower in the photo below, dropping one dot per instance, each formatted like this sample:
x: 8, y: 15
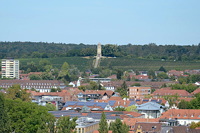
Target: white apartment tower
x: 10, y: 68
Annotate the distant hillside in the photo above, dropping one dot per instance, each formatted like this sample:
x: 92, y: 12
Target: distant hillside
x: 117, y: 63
x: 53, y: 50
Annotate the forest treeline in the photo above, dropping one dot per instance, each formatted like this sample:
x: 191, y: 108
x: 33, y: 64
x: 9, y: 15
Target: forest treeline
x: 51, y: 50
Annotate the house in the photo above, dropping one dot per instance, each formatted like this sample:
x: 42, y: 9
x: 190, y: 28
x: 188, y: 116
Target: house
x: 95, y: 94
x: 92, y: 105
x: 151, y: 109
x: 175, y: 73
x: 140, y: 101
x: 86, y: 125
x: 197, y: 83
x: 56, y: 98
x: 164, y: 92
x: 108, y: 86
x: 114, y: 76
x: 139, y: 91
x: 142, y: 77
x: 26, y: 76
x: 196, y: 91
x: 183, y: 116
x: 192, y: 72
x: 131, y: 122
x: 183, y: 129
x: 112, y: 85
x: 147, y: 127
x: 39, y: 85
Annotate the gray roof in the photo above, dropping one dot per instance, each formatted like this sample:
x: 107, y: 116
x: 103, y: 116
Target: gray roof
x: 73, y: 113
x: 150, y: 106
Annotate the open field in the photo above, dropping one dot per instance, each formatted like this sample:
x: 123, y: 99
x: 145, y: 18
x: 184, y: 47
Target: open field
x: 117, y: 63
x: 142, y: 64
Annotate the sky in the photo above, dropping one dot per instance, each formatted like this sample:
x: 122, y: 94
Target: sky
x: 106, y: 21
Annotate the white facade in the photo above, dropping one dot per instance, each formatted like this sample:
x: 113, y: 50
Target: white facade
x: 10, y: 68
x: 185, y: 122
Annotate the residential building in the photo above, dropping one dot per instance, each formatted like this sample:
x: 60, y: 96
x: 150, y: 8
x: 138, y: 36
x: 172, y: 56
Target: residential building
x: 151, y: 109
x: 10, y: 68
x: 175, y: 73
x: 56, y: 98
x: 139, y: 91
x: 92, y: 105
x: 147, y: 127
x: 196, y: 91
x: 183, y: 116
x: 167, y: 91
x: 183, y: 129
x: 26, y: 76
x: 95, y: 94
x: 86, y: 125
x: 39, y: 85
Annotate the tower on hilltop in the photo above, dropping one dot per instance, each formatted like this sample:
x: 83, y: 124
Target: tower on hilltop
x: 99, y: 50
x: 98, y: 57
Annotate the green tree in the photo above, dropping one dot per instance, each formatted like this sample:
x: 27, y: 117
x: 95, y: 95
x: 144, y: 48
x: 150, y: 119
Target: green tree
x: 162, y: 75
x: 194, y: 125
x: 136, y: 84
x: 131, y: 108
x: 123, y: 90
x: 34, y: 77
x: 65, y: 125
x: 119, y: 108
x: 172, y: 99
x: 64, y: 73
x: 15, y: 92
x: 4, y: 119
x: 119, y: 127
x: 119, y: 74
x: 93, y: 86
x: 47, y: 76
x: 162, y: 69
x: 82, y: 87
x: 188, y: 87
x: 21, y: 115
x: 184, y: 105
x: 151, y: 74
x: 50, y: 107
x: 103, y: 125
x: 65, y: 67
x: 110, y: 50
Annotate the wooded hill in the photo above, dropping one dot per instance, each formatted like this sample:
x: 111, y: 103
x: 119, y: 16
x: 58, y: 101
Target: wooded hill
x: 52, y: 50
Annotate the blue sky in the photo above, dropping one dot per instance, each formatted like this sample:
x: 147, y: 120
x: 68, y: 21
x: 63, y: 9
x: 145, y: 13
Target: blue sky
x: 106, y: 21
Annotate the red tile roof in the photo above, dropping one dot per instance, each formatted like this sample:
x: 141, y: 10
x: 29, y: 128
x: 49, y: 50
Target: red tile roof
x: 196, y: 91
x: 132, y: 121
x: 164, y: 92
x: 181, y: 114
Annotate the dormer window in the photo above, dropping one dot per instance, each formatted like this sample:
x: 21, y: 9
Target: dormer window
x: 178, y: 115
x: 185, y: 115
x: 192, y: 115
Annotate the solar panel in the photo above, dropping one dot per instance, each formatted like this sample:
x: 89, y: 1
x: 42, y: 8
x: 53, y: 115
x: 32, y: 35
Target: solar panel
x: 132, y: 103
x: 111, y: 103
x: 70, y: 103
x: 102, y: 105
x: 90, y: 103
x: 81, y: 103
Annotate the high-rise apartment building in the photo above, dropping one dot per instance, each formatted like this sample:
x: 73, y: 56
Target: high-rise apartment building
x: 10, y: 68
